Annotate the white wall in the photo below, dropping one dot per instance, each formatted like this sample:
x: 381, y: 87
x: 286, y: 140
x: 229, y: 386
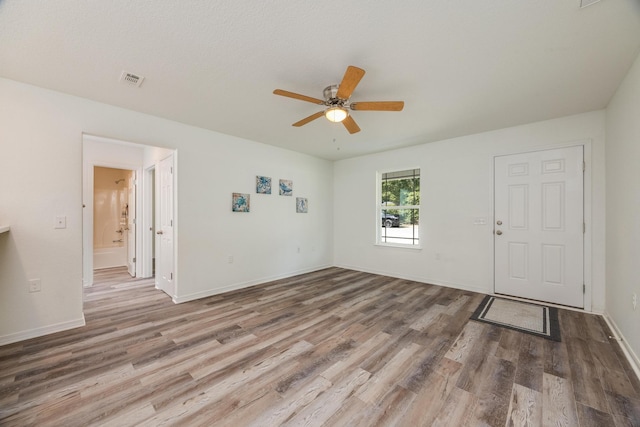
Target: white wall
x: 456, y: 187
x: 41, y: 177
x: 263, y: 243
x: 623, y: 208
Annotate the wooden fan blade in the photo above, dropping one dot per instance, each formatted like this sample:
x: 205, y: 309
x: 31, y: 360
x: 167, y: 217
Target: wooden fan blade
x: 349, y: 82
x: 378, y: 106
x: 308, y: 119
x: 297, y: 96
x: 351, y: 125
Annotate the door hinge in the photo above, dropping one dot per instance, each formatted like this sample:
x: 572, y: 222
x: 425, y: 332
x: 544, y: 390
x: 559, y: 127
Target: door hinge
x: 170, y: 276
x: 171, y: 169
x: 584, y: 288
x: 584, y: 227
x: 134, y: 220
x: 134, y: 260
x: 171, y: 222
x: 584, y: 166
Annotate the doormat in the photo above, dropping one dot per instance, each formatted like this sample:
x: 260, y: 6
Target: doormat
x: 532, y: 319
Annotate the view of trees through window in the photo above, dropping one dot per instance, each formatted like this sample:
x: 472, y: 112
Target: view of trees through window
x: 400, y: 207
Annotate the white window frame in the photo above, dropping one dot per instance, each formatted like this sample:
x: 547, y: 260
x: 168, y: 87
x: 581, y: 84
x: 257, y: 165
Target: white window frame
x: 379, y: 209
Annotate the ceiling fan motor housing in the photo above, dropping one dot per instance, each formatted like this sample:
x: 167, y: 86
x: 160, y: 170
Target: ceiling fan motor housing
x: 331, y: 98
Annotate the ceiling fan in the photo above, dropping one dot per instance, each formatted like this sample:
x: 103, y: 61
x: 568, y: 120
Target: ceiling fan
x: 337, y: 99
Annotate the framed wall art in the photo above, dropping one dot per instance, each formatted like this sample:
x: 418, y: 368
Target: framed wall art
x: 263, y: 185
x: 286, y: 187
x: 302, y: 205
x: 240, y: 202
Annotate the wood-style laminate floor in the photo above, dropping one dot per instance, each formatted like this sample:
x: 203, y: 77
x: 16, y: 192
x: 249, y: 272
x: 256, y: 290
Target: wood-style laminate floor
x: 334, y: 347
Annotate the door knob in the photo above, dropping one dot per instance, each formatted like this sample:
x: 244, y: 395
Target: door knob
x: 159, y: 232
x: 498, y: 232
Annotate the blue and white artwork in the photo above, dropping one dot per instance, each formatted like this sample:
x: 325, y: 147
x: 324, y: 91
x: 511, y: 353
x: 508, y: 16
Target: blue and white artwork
x: 286, y: 187
x: 302, y: 205
x: 263, y: 185
x: 240, y: 202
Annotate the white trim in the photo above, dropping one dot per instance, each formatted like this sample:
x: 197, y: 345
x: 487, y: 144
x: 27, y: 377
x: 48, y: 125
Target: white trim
x: 631, y: 356
x: 398, y: 245
x: 38, y: 332
x: 176, y: 221
x: 236, y: 286
x: 380, y: 208
x: 147, y: 222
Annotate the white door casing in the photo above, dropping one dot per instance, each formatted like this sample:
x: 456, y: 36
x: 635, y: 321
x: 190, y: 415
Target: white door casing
x: 164, y: 246
x: 539, y: 225
x: 131, y: 224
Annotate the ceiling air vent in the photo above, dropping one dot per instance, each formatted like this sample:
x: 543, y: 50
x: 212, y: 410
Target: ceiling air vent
x: 131, y: 79
x: 585, y: 3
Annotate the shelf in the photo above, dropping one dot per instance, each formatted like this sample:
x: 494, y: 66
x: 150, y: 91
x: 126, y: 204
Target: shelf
x: 4, y: 228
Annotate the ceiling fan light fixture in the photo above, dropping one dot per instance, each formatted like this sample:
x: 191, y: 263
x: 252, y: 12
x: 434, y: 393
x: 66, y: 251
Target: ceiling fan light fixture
x: 336, y: 114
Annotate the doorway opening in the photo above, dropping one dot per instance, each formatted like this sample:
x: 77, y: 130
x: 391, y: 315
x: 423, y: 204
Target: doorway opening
x: 120, y: 195
x: 114, y: 236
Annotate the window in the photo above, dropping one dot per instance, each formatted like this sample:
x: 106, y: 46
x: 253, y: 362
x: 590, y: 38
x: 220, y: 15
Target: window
x: 399, y: 211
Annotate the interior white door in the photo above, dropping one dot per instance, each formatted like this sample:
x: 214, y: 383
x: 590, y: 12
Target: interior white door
x: 539, y: 225
x: 164, y: 229
x: 131, y: 224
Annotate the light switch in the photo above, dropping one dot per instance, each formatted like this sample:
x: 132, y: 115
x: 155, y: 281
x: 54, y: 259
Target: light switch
x: 35, y: 285
x: 61, y: 222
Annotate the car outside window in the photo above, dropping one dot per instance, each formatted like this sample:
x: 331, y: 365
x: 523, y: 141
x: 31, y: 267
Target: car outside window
x: 399, y: 210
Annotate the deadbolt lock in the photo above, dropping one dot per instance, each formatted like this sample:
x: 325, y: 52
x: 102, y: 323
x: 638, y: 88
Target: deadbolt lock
x: 499, y: 222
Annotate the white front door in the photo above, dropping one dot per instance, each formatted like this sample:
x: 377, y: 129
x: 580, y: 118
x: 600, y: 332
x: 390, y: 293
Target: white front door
x: 131, y: 224
x: 164, y: 259
x: 539, y: 225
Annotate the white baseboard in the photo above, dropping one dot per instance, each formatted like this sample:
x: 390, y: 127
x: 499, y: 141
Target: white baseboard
x: 632, y: 357
x: 38, y: 332
x: 436, y: 282
x: 236, y: 286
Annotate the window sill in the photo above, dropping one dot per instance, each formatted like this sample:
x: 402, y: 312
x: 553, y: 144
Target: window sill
x: 394, y: 245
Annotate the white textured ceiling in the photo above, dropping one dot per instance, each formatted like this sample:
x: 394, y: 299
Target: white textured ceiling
x: 461, y: 66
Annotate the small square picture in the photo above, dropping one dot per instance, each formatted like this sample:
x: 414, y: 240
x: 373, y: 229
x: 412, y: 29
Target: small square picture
x: 263, y: 185
x: 240, y: 202
x: 302, y: 205
x: 286, y: 187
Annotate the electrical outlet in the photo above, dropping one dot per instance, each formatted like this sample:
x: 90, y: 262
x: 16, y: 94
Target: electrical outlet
x: 634, y: 300
x: 35, y: 285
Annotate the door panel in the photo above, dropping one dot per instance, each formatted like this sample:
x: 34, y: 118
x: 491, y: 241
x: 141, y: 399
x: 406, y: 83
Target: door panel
x: 518, y: 260
x: 519, y: 207
x: 131, y: 224
x: 538, y: 236
x: 164, y: 259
